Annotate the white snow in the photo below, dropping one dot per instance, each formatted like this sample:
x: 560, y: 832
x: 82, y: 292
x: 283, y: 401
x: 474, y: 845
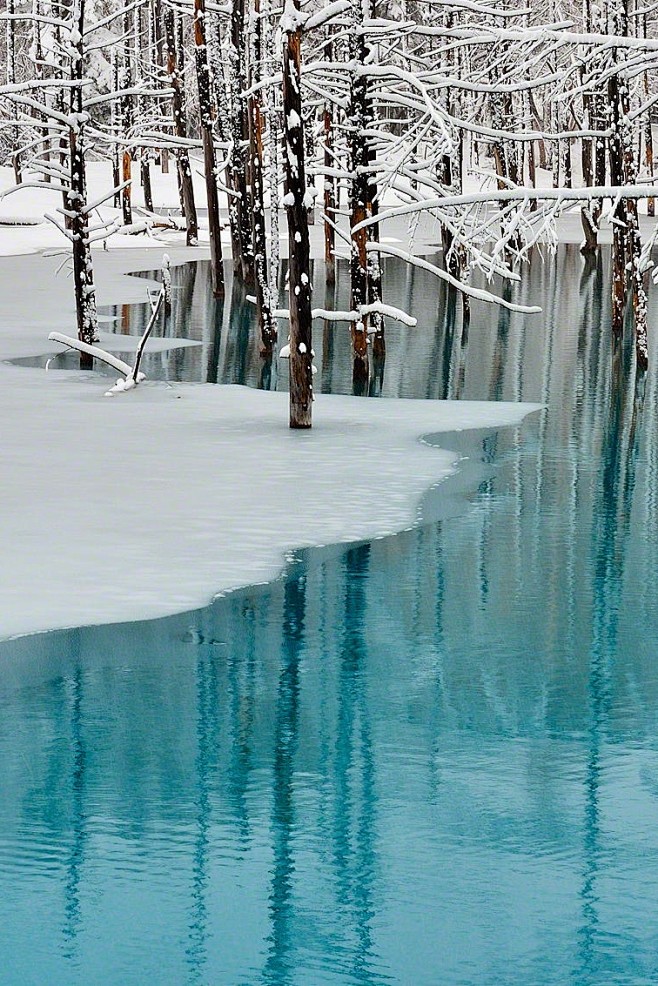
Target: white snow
x: 126, y: 509
x: 123, y: 510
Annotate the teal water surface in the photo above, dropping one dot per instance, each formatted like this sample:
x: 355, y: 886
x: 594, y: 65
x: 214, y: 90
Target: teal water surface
x: 429, y: 759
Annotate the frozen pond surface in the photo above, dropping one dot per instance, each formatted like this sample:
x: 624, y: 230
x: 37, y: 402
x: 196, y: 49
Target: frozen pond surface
x: 428, y: 759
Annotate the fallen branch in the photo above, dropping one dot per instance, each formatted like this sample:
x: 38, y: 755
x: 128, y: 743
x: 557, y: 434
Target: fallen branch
x: 131, y: 374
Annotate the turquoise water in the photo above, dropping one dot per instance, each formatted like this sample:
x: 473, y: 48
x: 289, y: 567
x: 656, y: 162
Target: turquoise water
x: 431, y: 759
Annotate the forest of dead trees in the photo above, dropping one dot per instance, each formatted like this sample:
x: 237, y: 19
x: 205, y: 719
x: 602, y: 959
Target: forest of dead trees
x: 492, y: 118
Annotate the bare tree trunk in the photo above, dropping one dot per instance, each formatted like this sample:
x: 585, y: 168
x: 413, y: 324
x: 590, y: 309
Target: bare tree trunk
x: 301, y: 351
x: 114, y: 126
x: 221, y: 90
x: 11, y: 79
x: 127, y: 126
x: 359, y: 197
x: 616, y: 153
x: 243, y: 265
x: 648, y: 133
x: 180, y: 126
x: 329, y: 199
x: 263, y: 304
x: 274, y: 135
x: 83, y: 273
x: 210, y: 162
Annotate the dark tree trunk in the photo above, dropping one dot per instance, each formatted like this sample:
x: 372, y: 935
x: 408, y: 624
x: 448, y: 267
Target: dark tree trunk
x: 616, y: 153
x: 209, y: 159
x: 359, y: 197
x: 116, y: 166
x: 127, y: 126
x: 11, y: 79
x: 183, y: 160
x: 224, y: 129
x: 145, y: 170
x: 243, y: 264
x: 329, y: 199
x: 263, y: 305
x: 301, y: 352
x: 83, y: 274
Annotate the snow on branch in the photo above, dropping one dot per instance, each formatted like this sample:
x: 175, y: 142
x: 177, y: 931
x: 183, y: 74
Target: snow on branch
x: 477, y: 293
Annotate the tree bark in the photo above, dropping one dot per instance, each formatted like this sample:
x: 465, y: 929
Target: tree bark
x: 209, y: 159
x: 301, y: 352
x: 83, y: 273
x: 329, y: 199
x: 263, y: 305
x: 180, y: 127
x: 243, y: 264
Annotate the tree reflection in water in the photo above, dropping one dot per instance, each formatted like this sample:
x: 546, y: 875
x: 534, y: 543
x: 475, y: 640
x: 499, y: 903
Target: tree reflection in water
x: 430, y: 758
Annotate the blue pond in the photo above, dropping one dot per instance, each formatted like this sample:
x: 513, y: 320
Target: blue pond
x: 430, y: 759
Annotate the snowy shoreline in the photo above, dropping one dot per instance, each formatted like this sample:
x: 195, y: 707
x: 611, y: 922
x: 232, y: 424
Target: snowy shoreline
x: 155, y: 503
x: 101, y: 525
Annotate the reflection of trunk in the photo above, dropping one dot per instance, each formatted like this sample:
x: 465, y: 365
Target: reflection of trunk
x: 209, y: 161
x: 280, y: 964
x: 301, y: 380
x: 180, y: 127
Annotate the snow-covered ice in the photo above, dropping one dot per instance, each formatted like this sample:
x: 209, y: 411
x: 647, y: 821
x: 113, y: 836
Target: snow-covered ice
x: 154, y: 502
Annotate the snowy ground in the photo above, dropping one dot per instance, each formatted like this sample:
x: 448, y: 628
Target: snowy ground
x: 153, y: 502
x: 30, y: 205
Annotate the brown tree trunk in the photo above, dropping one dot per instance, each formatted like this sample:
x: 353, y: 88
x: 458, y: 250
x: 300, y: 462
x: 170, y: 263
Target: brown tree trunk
x: 329, y: 200
x: 186, y: 188
x: 263, y: 306
x: 83, y: 274
x: 301, y: 352
x: 209, y: 159
x: 359, y: 197
x: 243, y: 262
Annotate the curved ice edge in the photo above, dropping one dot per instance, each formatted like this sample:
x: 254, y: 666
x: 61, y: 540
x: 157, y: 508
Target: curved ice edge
x: 414, y: 503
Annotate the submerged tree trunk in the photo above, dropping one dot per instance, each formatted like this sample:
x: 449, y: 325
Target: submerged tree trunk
x: 301, y: 352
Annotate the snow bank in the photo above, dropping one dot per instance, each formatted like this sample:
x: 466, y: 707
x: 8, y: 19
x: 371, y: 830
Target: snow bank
x: 150, y: 505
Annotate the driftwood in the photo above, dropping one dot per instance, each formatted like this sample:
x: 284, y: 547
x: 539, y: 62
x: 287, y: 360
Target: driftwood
x: 132, y: 374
